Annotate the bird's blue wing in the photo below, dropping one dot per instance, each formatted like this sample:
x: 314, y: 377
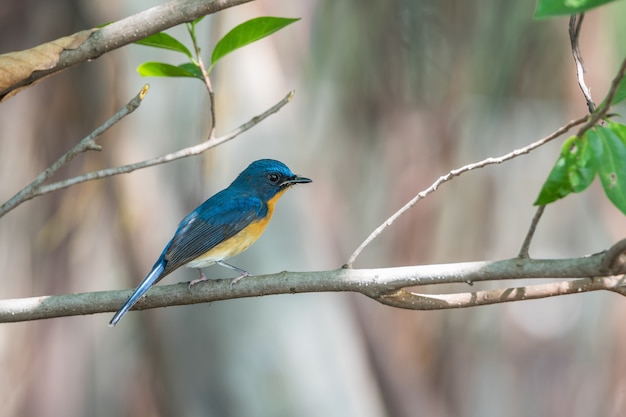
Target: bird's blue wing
x: 217, y: 219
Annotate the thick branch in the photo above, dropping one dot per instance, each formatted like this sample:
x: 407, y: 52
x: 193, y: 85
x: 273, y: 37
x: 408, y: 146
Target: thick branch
x: 129, y: 30
x: 384, y: 285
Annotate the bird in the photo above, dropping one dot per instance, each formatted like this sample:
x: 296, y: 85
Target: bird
x: 223, y: 226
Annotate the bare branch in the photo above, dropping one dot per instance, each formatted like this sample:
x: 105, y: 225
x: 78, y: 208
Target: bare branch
x: 87, y: 144
x: 183, y: 153
x: 523, y: 253
x: 384, y: 285
x: 126, y: 31
x: 606, y: 103
x: 456, y: 173
x: 575, y: 23
x: 413, y: 301
x: 590, y: 120
x: 209, y: 87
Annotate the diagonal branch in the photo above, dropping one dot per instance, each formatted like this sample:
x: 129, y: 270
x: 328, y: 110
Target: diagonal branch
x: 385, y: 285
x: 455, y: 173
x: 589, y: 121
x: 604, y: 107
x: 183, y: 153
x: 87, y: 144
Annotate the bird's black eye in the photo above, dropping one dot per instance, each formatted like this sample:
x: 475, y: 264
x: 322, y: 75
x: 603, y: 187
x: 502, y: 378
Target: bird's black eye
x: 273, y: 177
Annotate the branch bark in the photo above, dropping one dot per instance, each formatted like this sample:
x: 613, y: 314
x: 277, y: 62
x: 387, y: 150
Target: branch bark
x: 124, y: 32
x: 386, y: 285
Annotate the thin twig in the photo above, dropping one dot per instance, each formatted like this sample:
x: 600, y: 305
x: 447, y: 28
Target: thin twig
x: 604, y: 107
x: 207, y: 80
x: 575, y: 23
x: 523, y: 253
x: 456, y: 173
x: 183, y: 153
x: 209, y: 87
x: 383, y: 284
x: 87, y: 144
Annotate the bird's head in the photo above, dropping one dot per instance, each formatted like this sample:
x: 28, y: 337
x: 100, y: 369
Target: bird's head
x: 268, y: 177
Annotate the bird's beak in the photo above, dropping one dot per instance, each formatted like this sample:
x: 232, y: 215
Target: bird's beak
x: 295, y: 180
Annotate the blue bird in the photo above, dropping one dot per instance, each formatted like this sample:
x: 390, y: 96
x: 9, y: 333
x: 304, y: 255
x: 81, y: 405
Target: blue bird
x: 223, y: 226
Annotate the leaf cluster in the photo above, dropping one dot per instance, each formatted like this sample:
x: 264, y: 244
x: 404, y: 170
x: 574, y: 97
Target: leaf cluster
x: 240, y: 36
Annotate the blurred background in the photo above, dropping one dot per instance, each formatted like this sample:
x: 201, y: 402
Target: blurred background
x: 389, y: 96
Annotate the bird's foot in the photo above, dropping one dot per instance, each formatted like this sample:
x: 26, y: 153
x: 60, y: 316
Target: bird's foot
x: 195, y: 281
x: 243, y: 272
x: 236, y: 280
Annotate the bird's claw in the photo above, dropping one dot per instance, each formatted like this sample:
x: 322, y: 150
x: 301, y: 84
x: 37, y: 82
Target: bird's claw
x: 197, y: 280
x: 236, y: 280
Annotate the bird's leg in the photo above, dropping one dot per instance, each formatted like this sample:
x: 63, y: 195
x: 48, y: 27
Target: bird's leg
x: 195, y: 281
x: 243, y: 272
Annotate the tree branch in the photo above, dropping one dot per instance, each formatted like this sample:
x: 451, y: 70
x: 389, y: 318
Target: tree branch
x: 384, y: 285
x: 590, y: 120
x: 124, y: 32
x: 456, y: 173
x: 87, y: 144
x: 412, y: 301
x: 206, y: 79
x: 523, y: 253
x: 183, y: 153
x: 575, y: 23
x: 604, y: 107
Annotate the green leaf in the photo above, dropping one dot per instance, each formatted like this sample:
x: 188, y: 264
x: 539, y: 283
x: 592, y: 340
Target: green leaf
x: 556, y: 186
x: 548, y: 8
x: 573, y: 172
x: 164, y: 41
x: 161, y: 69
x: 612, y: 167
x: 246, y: 33
x: 192, y: 68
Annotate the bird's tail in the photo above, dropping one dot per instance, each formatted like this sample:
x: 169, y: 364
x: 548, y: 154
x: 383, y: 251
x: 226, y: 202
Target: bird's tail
x: 145, y: 285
